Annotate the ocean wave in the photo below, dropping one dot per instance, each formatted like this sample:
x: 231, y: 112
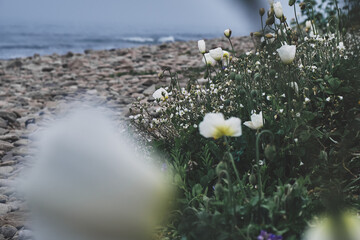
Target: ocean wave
x: 166, y: 39
x: 138, y: 39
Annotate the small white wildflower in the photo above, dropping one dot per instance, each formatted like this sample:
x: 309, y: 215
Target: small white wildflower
x: 328, y: 99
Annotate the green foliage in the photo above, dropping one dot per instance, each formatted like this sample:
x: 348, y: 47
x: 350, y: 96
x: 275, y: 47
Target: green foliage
x: 231, y: 188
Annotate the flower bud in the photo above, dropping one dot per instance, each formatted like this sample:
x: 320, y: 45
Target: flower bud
x: 202, y: 46
x: 218, y: 189
x: 227, y: 33
x: 252, y: 179
x: 232, y: 75
x: 270, y: 152
x: 238, y: 78
x: 270, y: 21
x: 269, y: 35
x: 253, y: 93
x: 257, y: 34
x: 271, y: 12
x: 278, y: 10
x: 302, y: 6
x: 291, y: 3
x: 220, y: 167
x: 262, y: 11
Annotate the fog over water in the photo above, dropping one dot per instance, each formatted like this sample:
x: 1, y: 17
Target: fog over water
x: 48, y: 26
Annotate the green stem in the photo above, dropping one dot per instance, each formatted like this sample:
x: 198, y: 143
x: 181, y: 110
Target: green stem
x: 232, y: 47
x: 258, y: 136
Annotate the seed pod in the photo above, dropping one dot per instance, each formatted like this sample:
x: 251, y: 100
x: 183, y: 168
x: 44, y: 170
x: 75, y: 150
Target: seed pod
x: 291, y: 3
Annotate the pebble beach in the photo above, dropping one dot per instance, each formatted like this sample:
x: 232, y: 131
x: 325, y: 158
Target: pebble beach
x: 37, y: 88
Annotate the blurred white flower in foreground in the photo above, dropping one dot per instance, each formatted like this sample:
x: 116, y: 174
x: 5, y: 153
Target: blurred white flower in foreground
x: 216, y: 54
x: 215, y: 126
x: 256, y: 121
x: 346, y: 227
x: 88, y: 182
x: 161, y: 94
x: 227, y: 33
x: 287, y: 53
x: 202, y: 46
x: 278, y: 9
x: 207, y: 59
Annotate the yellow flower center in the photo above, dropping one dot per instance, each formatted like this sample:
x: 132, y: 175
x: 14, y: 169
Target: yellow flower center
x: 222, y: 131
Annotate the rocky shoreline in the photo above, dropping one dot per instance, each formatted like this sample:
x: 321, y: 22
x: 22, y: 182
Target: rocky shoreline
x: 34, y: 89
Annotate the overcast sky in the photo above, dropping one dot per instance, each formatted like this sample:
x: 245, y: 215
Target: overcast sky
x: 195, y: 15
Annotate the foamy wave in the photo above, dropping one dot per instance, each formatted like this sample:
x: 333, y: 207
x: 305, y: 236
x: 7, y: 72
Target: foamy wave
x: 138, y: 39
x: 166, y: 39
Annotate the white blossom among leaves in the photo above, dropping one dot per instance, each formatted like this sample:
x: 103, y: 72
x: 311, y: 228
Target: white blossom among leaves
x: 161, y: 94
x: 215, y: 126
x: 207, y: 59
x: 256, y: 121
x: 287, y: 53
x: 216, y: 54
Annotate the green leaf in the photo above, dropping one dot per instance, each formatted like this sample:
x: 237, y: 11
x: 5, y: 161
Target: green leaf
x: 196, y: 190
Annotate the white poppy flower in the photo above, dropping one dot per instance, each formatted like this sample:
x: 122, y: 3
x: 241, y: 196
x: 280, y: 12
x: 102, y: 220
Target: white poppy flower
x: 202, y: 46
x: 287, y: 53
x: 207, y: 59
x: 161, y: 94
x: 227, y: 33
x: 215, y: 126
x: 278, y: 9
x: 256, y: 121
x: 216, y: 54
